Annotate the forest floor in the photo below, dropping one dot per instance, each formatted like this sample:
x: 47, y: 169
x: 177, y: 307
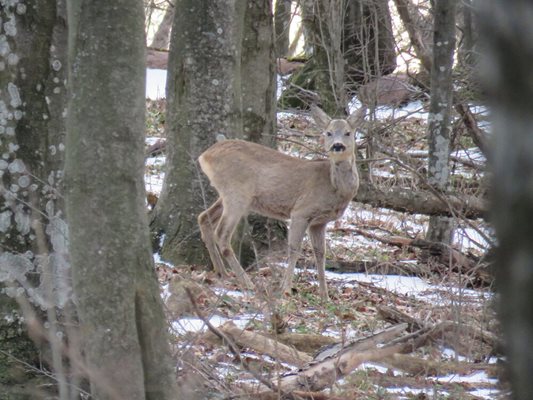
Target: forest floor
x: 433, y: 311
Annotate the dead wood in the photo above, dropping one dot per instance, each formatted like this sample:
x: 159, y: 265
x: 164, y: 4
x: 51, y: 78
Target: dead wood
x: 477, y: 135
x: 305, y: 342
x: 331, y: 367
x: 386, y: 381
x: 421, y: 201
x: 265, y: 345
x: 300, y: 394
x: 417, y: 366
x: 395, y: 316
x: 458, y: 336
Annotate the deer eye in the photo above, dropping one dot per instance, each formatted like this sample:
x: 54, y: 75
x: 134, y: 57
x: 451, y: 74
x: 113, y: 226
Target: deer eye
x: 347, y: 134
x: 328, y: 134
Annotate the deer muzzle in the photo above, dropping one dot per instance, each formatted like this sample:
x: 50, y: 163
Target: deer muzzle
x: 337, y: 148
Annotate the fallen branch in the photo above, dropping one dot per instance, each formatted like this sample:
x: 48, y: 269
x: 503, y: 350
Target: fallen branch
x: 477, y: 135
x: 324, y: 373
x: 265, y: 345
x: 427, y: 367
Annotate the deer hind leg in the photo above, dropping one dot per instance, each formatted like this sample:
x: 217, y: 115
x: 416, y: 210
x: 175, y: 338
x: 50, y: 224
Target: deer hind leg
x: 296, y: 234
x: 223, y: 233
x: 317, y: 234
x: 208, y: 221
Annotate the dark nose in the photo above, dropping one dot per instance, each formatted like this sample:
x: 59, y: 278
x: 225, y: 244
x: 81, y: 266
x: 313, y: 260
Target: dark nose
x: 338, y: 147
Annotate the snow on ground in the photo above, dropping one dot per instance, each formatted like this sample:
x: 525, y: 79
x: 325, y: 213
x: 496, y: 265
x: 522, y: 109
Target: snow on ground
x: 155, y: 83
x: 355, y: 216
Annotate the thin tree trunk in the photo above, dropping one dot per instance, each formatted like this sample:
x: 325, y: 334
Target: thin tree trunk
x: 282, y: 20
x: 439, y: 126
x: 258, y: 74
x: 121, y: 316
x: 414, y: 31
x: 161, y: 39
x: 203, y: 100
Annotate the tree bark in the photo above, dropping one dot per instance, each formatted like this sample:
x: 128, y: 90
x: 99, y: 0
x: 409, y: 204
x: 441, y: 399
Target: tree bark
x: 422, y: 201
x: 415, y: 31
x: 121, y: 317
x: 203, y: 100
x: 32, y: 229
x: 351, y: 41
x: 508, y: 34
x: 161, y: 39
x: 440, y: 106
x: 258, y: 74
x: 368, y: 43
x: 282, y: 20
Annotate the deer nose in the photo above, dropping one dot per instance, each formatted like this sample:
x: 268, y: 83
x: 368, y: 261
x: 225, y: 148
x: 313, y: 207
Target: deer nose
x: 338, y: 147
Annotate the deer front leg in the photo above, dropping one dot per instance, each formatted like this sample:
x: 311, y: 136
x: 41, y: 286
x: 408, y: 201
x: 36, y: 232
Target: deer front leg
x: 296, y: 234
x: 317, y: 234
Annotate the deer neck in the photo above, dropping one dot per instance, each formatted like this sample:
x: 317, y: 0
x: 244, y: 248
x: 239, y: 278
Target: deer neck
x: 344, y: 177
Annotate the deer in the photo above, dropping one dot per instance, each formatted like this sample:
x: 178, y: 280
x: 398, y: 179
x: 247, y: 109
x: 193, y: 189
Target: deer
x: 251, y: 178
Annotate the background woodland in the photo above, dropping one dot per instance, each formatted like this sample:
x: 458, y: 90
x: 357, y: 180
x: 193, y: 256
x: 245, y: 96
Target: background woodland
x: 106, y: 289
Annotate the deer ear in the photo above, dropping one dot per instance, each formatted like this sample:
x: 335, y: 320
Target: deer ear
x: 321, y: 118
x: 357, y: 117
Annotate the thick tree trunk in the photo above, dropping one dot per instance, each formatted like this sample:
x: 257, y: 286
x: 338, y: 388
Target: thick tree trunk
x: 121, y: 317
x: 508, y: 32
x: 368, y: 43
x: 440, y: 106
x: 351, y: 41
x: 32, y: 230
x: 203, y: 100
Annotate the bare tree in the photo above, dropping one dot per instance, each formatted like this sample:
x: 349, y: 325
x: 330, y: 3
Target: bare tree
x: 440, y: 228
x: 508, y: 34
x: 123, y: 327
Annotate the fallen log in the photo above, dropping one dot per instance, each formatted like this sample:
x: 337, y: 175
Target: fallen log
x: 265, y: 345
x: 319, y: 375
x: 421, y: 201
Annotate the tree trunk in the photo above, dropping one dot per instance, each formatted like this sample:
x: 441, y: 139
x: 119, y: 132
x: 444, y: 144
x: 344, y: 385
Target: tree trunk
x: 415, y: 26
x: 258, y: 74
x: 161, y: 38
x: 282, y: 21
x: 468, y: 49
x: 324, y: 27
x: 351, y: 41
x: 32, y: 229
x: 369, y: 48
x: 439, y: 126
x: 203, y: 100
x: 508, y: 34
x: 258, y: 78
x: 121, y: 316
